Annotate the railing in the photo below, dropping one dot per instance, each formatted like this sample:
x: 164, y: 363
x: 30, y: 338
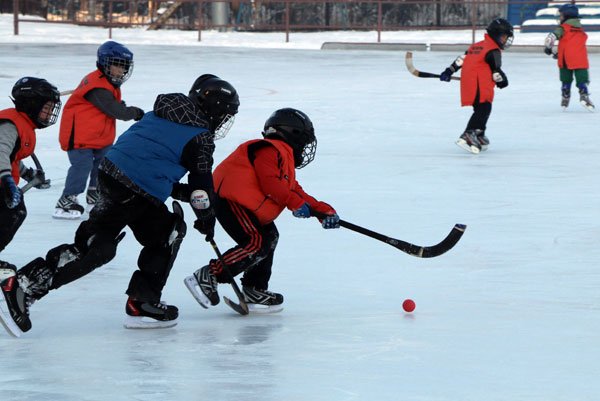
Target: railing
x: 272, y: 15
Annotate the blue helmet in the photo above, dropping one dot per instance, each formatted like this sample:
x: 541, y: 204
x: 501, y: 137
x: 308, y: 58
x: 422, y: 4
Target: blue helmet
x: 567, y: 11
x: 115, y: 54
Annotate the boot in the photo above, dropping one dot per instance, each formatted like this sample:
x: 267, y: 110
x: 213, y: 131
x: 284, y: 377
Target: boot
x: 14, y: 303
x: 584, y: 97
x: 483, y: 140
x: 148, y: 315
x: 469, y: 142
x: 565, y: 94
x: 203, y: 286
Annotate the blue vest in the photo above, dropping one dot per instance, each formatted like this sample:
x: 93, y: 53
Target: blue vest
x: 149, y: 153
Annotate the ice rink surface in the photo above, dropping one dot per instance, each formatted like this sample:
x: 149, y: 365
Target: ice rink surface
x: 511, y: 313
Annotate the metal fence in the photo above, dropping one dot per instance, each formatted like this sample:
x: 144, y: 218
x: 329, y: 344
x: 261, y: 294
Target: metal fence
x: 270, y: 15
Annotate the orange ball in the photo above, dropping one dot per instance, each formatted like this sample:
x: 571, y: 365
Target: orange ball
x: 408, y: 305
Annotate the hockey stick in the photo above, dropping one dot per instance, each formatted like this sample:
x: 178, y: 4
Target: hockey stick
x: 415, y: 250
x: 242, y: 308
x: 421, y: 74
x: 36, y: 180
x: 67, y: 92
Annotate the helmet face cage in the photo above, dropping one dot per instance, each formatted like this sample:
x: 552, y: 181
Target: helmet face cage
x: 296, y: 129
x: 37, y: 98
x: 308, y: 154
x: 223, y: 128
x: 115, y: 61
x: 499, y: 27
x: 121, y: 71
x: 48, y: 115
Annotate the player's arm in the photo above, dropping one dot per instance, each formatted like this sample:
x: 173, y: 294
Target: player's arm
x: 8, y: 141
x: 494, y: 60
x: 197, y: 158
x: 104, y: 100
x: 455, y: 66
x: 273, y: 182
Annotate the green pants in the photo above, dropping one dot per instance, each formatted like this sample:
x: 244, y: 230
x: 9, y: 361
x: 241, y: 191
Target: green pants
x: 581, y: 76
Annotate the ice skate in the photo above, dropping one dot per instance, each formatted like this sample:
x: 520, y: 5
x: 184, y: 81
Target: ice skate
x: 91, y: 196
x: 468, y: 141
x: 482, y: 139
x: 565, y: 98
x: 68, y: 208
x: 584, y: 99
x: 203, y: 286
x: 262, y: 301
x: 14, y: 303
x: 145, y: 315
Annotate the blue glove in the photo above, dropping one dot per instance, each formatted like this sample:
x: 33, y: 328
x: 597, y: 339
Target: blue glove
x: 331, y: 221
x: 446, y: 75
x: 11, y: 193
x: 303, y: 212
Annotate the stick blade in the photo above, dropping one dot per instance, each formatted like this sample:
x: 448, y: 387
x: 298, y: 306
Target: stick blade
x: 447, y: 243
x: 238, y: 308
x: 409, y: 64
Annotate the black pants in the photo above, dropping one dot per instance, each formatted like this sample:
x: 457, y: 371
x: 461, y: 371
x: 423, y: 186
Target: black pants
x: 10, y: 221
x: 480, y: 116
x: 255, y: 248
x: 151, y: 224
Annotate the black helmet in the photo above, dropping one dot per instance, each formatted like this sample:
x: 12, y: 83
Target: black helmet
x: 567, y: 11
x: 499, y: 27
x: 296, y: 129
x: 218, y: 100
x: 30, y: 95
x: 113, y: 53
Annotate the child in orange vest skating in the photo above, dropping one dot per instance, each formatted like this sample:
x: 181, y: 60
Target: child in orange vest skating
x: 253, y: 185
x: 88, y: 125
x: 481, y: 71
x: 572, y: 55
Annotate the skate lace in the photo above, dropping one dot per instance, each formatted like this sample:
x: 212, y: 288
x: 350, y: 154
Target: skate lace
x: 161, y: 305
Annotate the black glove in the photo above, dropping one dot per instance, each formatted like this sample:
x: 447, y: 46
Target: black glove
x: 500, y: 78
x: 548, y: 50
x: 206, y: 223
x: 33, y: 174
x: 138, y: 113
x: 446, y: 75
x: 181, y: 192
x: 10, y: 192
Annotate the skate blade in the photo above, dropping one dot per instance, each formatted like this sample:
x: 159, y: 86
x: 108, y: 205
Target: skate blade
x: 264, y: 309
x: 463, y: 144
x: 63, y: 215
x: 145, y: 322
x: 192, y: 285
x: 6, y: 319
x: 588, y: 107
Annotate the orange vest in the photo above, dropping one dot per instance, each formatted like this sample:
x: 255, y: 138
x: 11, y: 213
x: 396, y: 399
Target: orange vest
x: 82, y: 124
x: 476, y: 73
x: 572, y: 53
x: 235, y: 180
x: 26, y: 131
